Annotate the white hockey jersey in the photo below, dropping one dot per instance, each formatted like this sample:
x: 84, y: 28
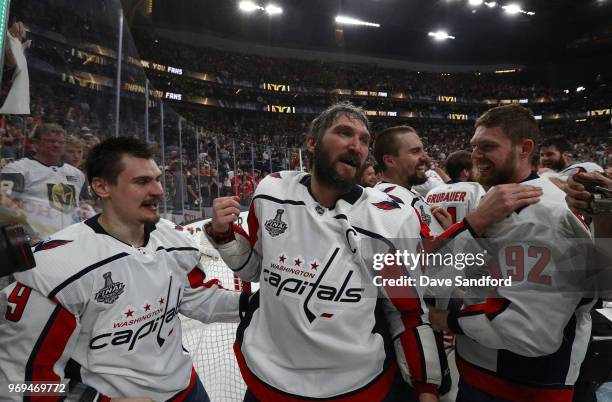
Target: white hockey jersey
x: 582, y: 167
x: 459, y: 199
x: 411, y: 198
x: 105, y: 312
x: 47, y: 195
x: 526, y: 342
x: 433, y: 180
x: 317, y: 328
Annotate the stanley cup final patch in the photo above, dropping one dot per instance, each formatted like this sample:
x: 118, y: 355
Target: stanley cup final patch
x: 276, y: 226
x: 111, y: 290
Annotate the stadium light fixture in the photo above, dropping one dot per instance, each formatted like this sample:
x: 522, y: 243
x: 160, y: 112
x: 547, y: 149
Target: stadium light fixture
x: 513, y: 9
x: 249, y: 6
x: 440, y: 35
x: 490, y: 4
x: 341, y: 19
x: 273, y: 9
x: 580, y: 89
x: 475, y: 3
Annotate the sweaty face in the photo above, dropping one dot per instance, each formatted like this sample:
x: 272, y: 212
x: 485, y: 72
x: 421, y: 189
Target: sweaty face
x: 411, y: 161
x: 494, y: 155
x: 340, y: 154
x: 551, y: 158
x: 138, y: 192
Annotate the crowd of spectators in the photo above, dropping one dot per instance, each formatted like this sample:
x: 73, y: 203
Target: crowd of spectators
x: 231, y: 150
x: 330, y: 75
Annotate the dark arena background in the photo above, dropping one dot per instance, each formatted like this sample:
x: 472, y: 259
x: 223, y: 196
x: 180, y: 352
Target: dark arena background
x: 224, y: 92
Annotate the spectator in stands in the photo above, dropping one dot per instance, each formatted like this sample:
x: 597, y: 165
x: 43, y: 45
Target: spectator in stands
x: 73, y: 152
x: 45, y: 186
x: 237, y: 183
x: 214, y: 184
x: 7, y: 145
x: 193, y: 198
x: 89, y: 139
x: 205, y: 180
x: 247, y: 189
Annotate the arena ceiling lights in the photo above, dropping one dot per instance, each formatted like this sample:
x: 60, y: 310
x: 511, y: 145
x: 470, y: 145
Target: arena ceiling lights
x: 513, y: 9
x: 250, y: 7
x: 440, y: 35
x: 344, y: 20
x: 510, y: 8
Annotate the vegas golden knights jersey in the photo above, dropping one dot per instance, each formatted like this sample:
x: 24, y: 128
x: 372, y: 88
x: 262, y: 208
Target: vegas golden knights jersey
x: 47, y: 195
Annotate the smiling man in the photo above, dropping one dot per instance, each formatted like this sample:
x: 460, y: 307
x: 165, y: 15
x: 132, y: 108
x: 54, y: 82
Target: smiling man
x: 524, y: 342
x: 101, y: 307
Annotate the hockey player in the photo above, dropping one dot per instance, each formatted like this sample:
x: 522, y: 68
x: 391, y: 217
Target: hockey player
x: 400, y: 153
x: 555, y: 153
x: 316, y: 329
x: 526, y: 341
x: 44, y: 188
x: 101, y: 307
x: 462, y: 194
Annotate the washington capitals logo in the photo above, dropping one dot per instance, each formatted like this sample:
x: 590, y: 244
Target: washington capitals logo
x: 111, y: 290
x: 49, y: 244
x: 386, y: 205
x: 276, y: 226
x: 393, y: 197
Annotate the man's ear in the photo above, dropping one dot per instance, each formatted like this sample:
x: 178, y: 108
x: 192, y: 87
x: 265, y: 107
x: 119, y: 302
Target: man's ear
x: 388, y: 160
x: 527, y: 148
x: 310, y: 144
x: 100, y: 187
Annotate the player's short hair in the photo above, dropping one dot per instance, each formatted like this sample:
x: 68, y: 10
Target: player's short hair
x: 386, y: 143
x: 329, y: 116
x: 559, y: 142
x: 456, y: 162
x: 47, y: 128
x: 517, y: 122
x: 104, y: 159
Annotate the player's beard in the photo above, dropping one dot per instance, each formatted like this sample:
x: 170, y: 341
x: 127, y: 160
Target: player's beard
x: 326, y: 173
x: 501, y: 174
x: 557, y: 165
x: 415, y: 178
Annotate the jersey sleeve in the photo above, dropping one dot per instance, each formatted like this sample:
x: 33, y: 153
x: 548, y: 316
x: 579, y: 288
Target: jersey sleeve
x: 207, y: 301
x: 416, y: 348
x: 549, y: 282
x: 243, y: 253
x: 38, y: 338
